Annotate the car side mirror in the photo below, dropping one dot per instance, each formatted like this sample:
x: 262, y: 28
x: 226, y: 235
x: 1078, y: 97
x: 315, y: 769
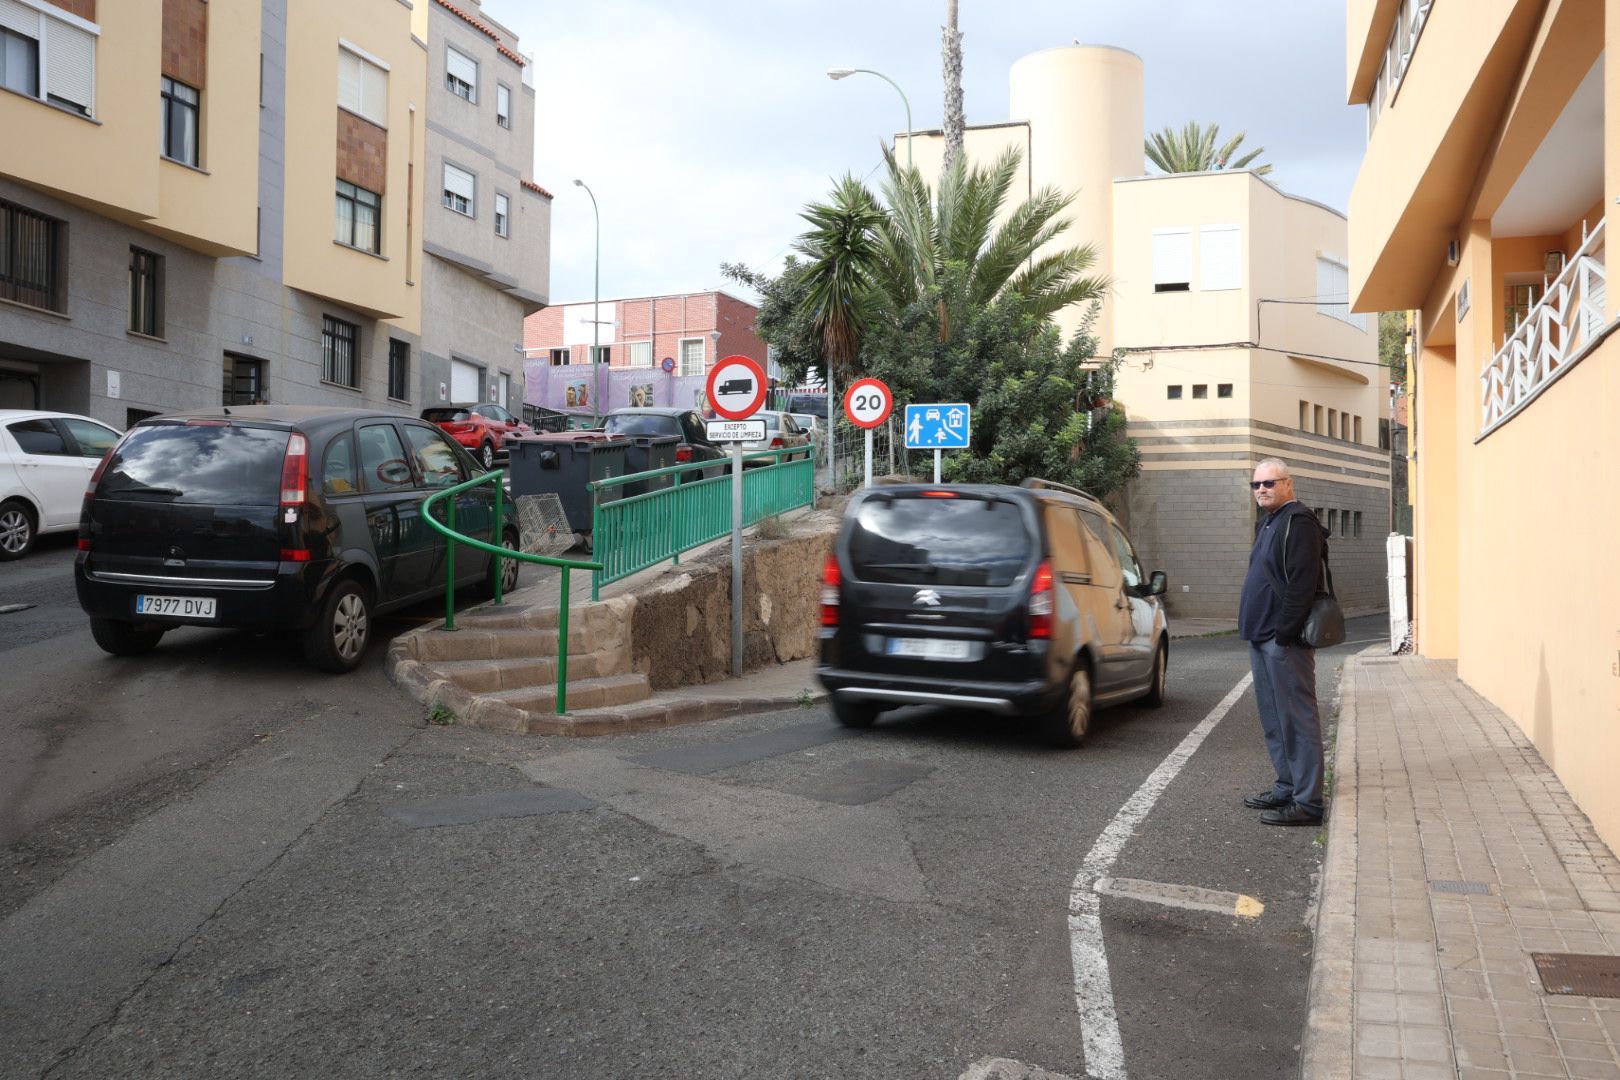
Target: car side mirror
x: 1158, y: 583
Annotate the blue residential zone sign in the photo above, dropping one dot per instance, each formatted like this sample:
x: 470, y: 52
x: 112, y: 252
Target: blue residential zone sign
x: 938, y: 427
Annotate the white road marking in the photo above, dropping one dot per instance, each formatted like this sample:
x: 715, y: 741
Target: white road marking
x: 1093, y: 990
x: 1187, y: 897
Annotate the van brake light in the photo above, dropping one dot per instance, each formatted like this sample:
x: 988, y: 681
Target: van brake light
x: 1040, y: 603
x: 831, y: 579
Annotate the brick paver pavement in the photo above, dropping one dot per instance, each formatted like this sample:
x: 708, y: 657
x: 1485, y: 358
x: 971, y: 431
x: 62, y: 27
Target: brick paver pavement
x: 1454, y: 853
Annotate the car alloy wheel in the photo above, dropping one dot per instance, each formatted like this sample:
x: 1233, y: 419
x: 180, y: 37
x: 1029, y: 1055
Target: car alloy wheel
x: 350, y: 625
x: 487, y: 456
x: 16, y: 531
x: 509, y: 568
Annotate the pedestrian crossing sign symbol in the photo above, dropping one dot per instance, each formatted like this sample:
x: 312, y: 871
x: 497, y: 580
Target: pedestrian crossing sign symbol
x: 938, y: 427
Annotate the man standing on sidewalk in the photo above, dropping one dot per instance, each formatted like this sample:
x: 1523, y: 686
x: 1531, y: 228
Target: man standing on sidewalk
x: 1283, y: 569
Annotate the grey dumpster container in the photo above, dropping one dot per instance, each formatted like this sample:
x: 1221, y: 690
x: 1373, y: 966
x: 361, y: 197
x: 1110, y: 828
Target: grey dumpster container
x: 563, y: 463
x: 649, y: 452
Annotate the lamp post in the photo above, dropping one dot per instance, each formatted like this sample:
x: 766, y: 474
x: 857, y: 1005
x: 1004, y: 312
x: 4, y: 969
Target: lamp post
x: 596, y: 313
x: 843, y: 73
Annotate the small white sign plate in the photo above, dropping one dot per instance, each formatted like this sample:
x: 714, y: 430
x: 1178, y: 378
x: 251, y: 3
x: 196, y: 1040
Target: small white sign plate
x: 734, y: 430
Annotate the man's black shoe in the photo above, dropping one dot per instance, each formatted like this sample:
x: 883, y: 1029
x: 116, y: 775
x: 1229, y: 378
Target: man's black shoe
x: 1266, y: 800
x: 1292, y: 814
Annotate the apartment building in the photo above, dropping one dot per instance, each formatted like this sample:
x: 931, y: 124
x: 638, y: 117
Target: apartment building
x: 650, y: 350
x: 1230, y: 300
x: 1493, y: 150
x: 486, y: 227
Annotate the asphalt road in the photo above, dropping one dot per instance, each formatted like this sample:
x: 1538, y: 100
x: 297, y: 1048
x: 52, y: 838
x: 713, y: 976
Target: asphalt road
x: 271, y: 873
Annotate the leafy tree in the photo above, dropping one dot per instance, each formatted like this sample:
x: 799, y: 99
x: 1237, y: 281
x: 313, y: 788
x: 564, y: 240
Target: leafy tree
x: 1193, y: 149
x: 1392, y: 344
x: 841, y: 253
x: 784, y: 319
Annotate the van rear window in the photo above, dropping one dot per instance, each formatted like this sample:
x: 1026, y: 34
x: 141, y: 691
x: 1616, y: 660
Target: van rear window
x: 909, y: 540
x: 641, y: 424
x: 212, y: 465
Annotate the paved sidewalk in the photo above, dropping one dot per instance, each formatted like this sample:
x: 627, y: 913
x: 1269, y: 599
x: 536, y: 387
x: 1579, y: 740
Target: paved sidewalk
x: 1454, y: 853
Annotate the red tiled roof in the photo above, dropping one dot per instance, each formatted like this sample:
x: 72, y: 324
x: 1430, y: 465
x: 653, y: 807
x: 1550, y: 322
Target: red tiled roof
x: 532, y: 186
x: 492, y: 35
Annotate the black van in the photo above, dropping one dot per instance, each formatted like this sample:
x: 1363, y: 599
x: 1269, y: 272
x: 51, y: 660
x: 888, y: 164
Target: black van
x: 275, y: 517
x: 1025, y: 601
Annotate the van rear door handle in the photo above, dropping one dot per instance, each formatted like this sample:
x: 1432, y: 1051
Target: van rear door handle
x: 1074, y: 578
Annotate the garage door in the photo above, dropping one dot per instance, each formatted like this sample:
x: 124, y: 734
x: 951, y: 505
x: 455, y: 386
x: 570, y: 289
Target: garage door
x: 466, y: 382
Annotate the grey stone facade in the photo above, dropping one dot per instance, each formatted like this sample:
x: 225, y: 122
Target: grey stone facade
x: 1197, y: 523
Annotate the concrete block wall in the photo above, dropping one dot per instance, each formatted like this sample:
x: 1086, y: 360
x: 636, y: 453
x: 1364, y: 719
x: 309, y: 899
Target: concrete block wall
x: 1196, y: 525
x: 465, y: 318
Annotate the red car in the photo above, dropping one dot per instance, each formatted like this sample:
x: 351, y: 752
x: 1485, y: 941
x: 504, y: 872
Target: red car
x: 483, y: 429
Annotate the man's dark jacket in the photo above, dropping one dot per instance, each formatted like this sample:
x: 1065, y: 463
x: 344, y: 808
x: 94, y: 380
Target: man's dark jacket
x: 1262, y: 614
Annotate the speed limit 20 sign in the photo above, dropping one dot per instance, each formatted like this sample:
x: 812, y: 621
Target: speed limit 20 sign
x: 868, y: 403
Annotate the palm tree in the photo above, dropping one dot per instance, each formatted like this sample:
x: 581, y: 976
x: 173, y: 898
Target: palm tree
x: 1193, y: 149
x: 841, y: 253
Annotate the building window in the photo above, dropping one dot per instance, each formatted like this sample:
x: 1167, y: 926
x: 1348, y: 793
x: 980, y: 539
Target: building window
x: 1220, y: 257
x: 461, y: 75
x: 30, y: 258
x: 340, y: 354
x: 1358, y: 429
x: 503, y: 105
x: 641, y: 354
x: 29, y: 34
x: 1316, y: 427
x: 1173, y: 393
x: 1304, y: 416
x: 1403, y: 39
x: 692, y: 356
x: 180, y: 103
x: 1200, y: 390
x: 460, y: 188
x: 358, y: 214
x: 1333, y: 423
x: 1333, y: 292
x: 1517, y: 302
x: 1358, y: 522
x: 559, y: 357
x: 19, y: 62
x: 602, y: 354
x: 1172, y: 260
x: 244, y: 380
x: 145, y: 292
x: 1223, y: 390
x: 362, y: 87
x: 503, y: 222
x: 399, y: 369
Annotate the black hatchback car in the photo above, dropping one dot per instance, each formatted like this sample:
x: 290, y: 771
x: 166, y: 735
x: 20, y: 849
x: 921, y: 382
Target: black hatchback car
x: 1025, y: 601
x: 276, y: 518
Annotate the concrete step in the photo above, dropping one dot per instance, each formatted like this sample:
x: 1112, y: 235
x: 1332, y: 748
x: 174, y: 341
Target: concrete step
x: 605, y: 621
x: 527, y: 672
x: 599, y: 693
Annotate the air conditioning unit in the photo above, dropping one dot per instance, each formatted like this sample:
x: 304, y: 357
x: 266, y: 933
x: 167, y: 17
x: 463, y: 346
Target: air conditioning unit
x: 1452, y: 253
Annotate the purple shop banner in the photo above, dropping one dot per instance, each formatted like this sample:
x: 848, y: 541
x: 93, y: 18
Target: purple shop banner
x: 574, y: 388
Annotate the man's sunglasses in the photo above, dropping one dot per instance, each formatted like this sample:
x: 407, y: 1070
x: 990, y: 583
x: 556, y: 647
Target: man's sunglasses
x: 1256, y: 485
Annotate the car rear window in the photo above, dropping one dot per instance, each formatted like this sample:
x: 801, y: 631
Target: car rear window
x: 808, y: 403
x: 444, y: 416
x: 222, y: 465
x: 912, y: 539
x: 641, y: 424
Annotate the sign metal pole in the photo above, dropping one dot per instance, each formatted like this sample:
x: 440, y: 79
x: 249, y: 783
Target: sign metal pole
x: 736, y: 559
x: 936, y: 464
x: 868, y: 458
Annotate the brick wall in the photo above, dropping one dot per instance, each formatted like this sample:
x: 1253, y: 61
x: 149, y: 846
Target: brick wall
x: 362, y: 152
x: 84, y: 9
x: 185, y: 41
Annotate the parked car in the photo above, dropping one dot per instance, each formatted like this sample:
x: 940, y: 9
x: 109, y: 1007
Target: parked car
x: 782, y: 432
x: 813, y: 425
x: 682, y: 423
x: 45, y: 459
x: 1026, y: 601
x: 275, y: 517
x: 483, y: 429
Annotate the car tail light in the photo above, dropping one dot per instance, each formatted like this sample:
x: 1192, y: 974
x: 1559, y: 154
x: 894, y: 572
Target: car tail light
x: 831, y: 579
x: 294, y: 555
x: 84, y: 543
x: 683, y: 454
x: 938, y: 494
x: 295, y: 471
x: 1040, y: 602
x: 462, y: 429
x: 90, y: 491
x: 776, y: 443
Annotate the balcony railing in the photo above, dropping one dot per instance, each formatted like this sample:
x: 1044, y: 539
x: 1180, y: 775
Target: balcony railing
x: 1557, y: 333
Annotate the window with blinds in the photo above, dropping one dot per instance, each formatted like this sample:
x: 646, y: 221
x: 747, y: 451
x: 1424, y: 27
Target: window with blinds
x: 1333, y: 291
x: 1220, y: 254
x: 460, y: 74
x: 460, y: 189
x: 503, y: 220
x: 32, y: 42
x: 503, y: 105
x: 1172, y: 260
x: 362, y: 87
x: 641, y: 354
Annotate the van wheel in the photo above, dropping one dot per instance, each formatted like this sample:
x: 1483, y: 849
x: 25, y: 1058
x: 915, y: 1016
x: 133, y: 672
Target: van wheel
x: 124, y: 638
x: 1155, y: 695
x: 337, y: 641
x: 1070, y: 721
x: 509, y: 570
x: 17, y: 529
x: 486, y: 454
x: 853, y: 714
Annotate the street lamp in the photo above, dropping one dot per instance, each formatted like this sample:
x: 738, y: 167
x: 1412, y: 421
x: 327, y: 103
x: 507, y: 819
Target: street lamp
x: 843, y: 73
x: 596, y: 314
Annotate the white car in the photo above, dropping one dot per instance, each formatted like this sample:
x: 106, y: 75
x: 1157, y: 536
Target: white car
x: 46, y: 459
x: 782, y: 432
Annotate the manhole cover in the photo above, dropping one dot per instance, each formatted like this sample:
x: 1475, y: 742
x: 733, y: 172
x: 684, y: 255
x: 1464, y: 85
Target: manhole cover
x: 1476, y: 888
x: 1580, y: 974
x: 11, y: 609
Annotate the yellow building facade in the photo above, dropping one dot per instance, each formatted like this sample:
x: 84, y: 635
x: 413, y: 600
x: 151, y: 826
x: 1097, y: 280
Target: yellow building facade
x: 1493, y: 152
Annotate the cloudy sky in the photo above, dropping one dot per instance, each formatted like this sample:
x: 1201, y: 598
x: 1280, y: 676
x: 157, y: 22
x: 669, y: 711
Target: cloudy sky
x: 704, y: 126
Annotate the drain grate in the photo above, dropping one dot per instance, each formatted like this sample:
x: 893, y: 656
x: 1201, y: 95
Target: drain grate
x: 1474, y: 888
x: 1580, y: 974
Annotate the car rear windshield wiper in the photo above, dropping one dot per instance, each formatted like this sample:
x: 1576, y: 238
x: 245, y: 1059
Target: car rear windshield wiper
x: 147, y: 489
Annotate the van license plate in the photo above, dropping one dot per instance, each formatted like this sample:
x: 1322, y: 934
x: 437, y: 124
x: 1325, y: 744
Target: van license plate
x: 930, y: 648
x: 177, y: 607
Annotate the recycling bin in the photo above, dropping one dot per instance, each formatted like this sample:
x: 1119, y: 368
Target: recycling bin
x: 562, y: 463
x: 646, y: 453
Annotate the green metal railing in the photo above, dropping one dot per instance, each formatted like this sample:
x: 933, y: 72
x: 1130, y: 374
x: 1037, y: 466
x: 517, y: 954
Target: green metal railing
x: 639, y: 531
x: 447, y: 528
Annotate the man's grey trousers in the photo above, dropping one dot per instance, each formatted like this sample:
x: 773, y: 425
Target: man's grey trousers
x: 1285, y: 686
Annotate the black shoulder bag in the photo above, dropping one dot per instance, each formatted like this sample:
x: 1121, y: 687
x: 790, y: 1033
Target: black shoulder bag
x: 1324, y: 623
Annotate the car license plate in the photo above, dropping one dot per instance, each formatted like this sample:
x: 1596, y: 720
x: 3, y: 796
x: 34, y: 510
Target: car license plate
x: 177, y: 607
x: 931, y: 648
